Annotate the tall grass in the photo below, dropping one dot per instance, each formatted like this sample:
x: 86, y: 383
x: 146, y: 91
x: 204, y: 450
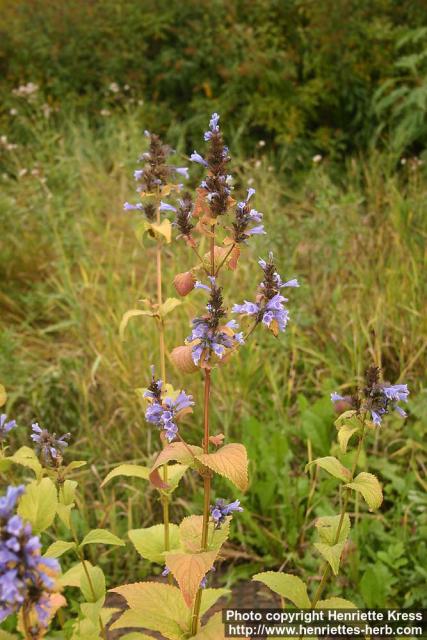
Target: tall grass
x: 70, y: 267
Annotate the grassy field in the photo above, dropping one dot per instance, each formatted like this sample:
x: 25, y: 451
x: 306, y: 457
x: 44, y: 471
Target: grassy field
x: 70, y: 267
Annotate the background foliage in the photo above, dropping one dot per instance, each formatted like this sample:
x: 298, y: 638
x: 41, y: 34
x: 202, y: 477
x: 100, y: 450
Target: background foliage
x: 346, y: 80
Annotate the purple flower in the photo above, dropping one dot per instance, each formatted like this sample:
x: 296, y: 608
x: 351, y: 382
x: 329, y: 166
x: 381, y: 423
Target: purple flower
x: 164, y: 206
x: 48, y: 446
x: 26, y: 578
x: 133, y: 207
x: 164, y: 412
x: 206, y: 332
x: 5, y: 427
x: 269, y: 308
x: 196, y: 157
x: 220, y: 510
x: 244, y: 217
x: 213, y: 126
x: 336, y: 396
x: 182, y: 171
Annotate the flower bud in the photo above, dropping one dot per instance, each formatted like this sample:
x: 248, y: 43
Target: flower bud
x: 184, y: 283
x: 183, y: 360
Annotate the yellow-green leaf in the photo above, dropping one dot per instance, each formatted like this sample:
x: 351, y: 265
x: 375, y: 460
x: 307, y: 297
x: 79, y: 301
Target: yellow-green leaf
x: 150, y: 542
x: 155, y: 606
x: 368, y: 485
x: 67, y: 492
x: 132, y: 313
x: 230, y: 461
x: 164, y: 230
x: 335, y: 603
x: 189, y: 569
x: 286, y: 585
x: 175, y: 473
x: 168, y: 306
x: 135, y: 635
x: 27, y: 458
x: 4, y: 635
x: 72, y: 577
x: 75, y: 464
x: 212, y: 630
x: 128, y: 470
x: 210, y: 597
x: 344, y: 434
x: 333, y: 466
x: 190, y: 532
x: 175, y: 451
x: 331, y: 553
x: 94, y: 589
x: 59, y: 547
x: 3, y: 395
x: 327, y: 527
x: 101, y: 536
x: 38, y: 504
x: 64, y: 513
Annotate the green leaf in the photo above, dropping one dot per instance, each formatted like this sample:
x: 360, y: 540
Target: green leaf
x: 128, y: 470
x: 168, y: 306
x: 333, y: 466
x: 67, y: 493
x: 92, y: 610
x: 3, y: 395
x: 286, y: 585
x: 38, y: 504
x: 72, y: 577
x: 132, y: 313
x: 175, y: 473
x: 190, y: 533
x: 97, y: 581
x: 27, y: 458
x: 64, y: 513
x: 335, y: 603
x: 212, y: 630
x: 135, y: 635
x: 150, y: 542
x: 154, y: 606
x: 4, y: 635
x: 331, y: 553
x: 101, y: 536
x: 59, y: 547
x: 368, y: 485
x: 327, y: 527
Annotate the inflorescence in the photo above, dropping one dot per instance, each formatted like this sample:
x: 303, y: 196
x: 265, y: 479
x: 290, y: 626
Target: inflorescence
x: 377, y: 398
x: 26, y: 578
x: 49, y: 447
x: 165, y: 412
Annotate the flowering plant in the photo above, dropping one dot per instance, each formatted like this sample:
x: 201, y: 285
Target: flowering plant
x: 363, y: 413
x: 190, y: 549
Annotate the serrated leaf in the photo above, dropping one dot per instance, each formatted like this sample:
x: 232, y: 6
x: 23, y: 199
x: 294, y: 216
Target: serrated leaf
x: 164, y: 230
x: 331, y: 553
x: 190, y: 533
x: 210, y: 597
x: 333, y: 466
x: 71, y: 578
x: 150, y: 542
x: 3, y: 395
x: 64, y: 513
x: 38, y: 504
x: 335, y: 603
x: 286, y: 585
x: 230, y: 461
x: 67, y: 492
x: 212, y: 630
x: 174, y: 451
x: 58, y: 548
x: 175, y: 474
x: 327, y: 527
x: 26, y: 457
x: 155, y: 606
x: 76, y: 464
x: 92, y: 589
x: 189, y: 569
x: 132, y: 313
x: 344, y: 434
x: 368, y: 485
x: 168, y: 306
x: 128, y: 470
x: 101, y: 536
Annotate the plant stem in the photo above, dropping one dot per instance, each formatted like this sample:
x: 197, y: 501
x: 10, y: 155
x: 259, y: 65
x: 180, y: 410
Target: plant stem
x: 225, y: 258
x: 207, y: 473
x: 327, y: 568
x: 27, y: 632
x: 162, y: 351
